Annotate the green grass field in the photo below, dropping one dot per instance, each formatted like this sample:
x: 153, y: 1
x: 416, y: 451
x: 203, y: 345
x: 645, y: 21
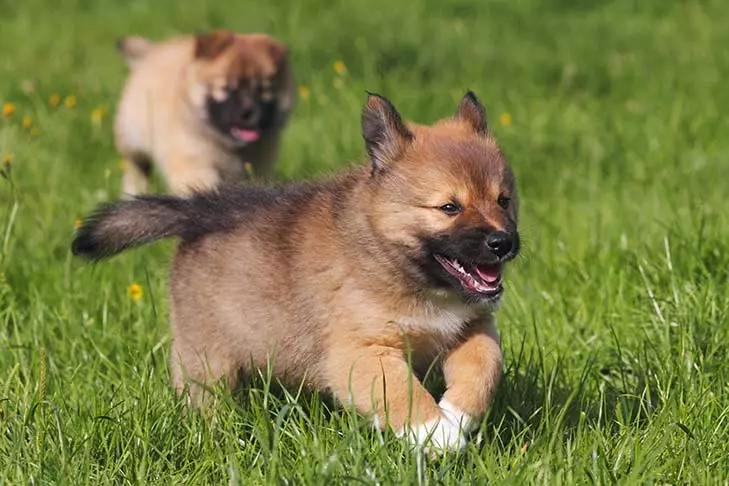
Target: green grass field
x: 616, y: 319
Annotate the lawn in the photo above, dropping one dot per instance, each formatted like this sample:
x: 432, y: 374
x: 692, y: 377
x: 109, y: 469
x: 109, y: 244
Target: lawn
x: 615, y: 324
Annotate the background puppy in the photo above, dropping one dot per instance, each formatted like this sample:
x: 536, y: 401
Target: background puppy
x: 200, y: 107
x: 339, y: 282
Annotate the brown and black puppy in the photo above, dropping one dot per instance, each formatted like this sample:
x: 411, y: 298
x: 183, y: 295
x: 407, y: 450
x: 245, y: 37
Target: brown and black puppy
x: 340, y: 282
x: 200, y: 107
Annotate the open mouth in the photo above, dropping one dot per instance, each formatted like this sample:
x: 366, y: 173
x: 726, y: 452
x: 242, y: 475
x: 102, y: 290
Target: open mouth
x: 247, y: 136
x: 483, y: 281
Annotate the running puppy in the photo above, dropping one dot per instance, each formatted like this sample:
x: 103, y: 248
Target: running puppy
x: 338, y: 281
x: 200, y: 107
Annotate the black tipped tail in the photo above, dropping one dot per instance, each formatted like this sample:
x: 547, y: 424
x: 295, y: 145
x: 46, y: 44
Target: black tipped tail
x: 118, y: 226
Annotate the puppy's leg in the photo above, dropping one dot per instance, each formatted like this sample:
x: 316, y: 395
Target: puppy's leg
x: 136, y: 175
x: 199, y: 369
x: 263, y: 157
x: 472, y: 371
x: 381, y: 385
x: 185, y: 177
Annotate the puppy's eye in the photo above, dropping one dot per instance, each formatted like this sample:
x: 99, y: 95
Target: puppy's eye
x: 503, y: 201
x: 450, y: 209
x: 265, y: 91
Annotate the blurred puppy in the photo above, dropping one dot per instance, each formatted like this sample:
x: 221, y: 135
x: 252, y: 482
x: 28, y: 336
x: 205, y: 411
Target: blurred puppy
x: 200, y: 107
x: 338, y: 282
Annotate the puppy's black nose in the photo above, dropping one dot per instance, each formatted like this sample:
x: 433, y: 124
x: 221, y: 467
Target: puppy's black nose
x: 250, y: 115
x: 500, y: 243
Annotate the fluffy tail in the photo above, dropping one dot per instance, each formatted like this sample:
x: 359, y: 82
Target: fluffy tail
x: 134, y: 48
x: 118, y: 226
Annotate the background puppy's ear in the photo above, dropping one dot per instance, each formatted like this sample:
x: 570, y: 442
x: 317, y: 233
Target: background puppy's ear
x: 472, y: 112
x: 279, y: 52
x: 211, y: 44
x: 386, y: 136
x: 284, y: 78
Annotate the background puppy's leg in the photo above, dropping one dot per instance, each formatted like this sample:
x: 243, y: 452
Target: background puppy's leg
x: 184, y: 177
x: 472, y: 371
x: 263, y: 156
x: 136, y: 175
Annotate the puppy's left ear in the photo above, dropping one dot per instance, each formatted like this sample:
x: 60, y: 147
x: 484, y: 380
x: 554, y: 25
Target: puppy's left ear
x: 284, y: 76
x: 279, y: 52
x: 211, y: 44
x: 385, y: 134
x: 471, y: 111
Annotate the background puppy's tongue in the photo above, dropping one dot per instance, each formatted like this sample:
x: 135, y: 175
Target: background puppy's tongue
x: 490, y: 273
x: 245, y: 135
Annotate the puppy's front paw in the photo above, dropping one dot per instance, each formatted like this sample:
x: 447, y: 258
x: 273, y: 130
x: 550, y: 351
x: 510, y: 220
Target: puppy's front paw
x: 445, y: 433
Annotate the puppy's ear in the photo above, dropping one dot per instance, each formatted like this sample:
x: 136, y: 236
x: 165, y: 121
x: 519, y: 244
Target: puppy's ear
x: 386, y: 136
x: 283, y: 78
x: 279, y: 52
x: 472, y: 112
x: 211, y: 44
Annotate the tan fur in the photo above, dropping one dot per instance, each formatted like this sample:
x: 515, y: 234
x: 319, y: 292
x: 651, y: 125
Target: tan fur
x: 161, y: 117
x: 319, y: 281
x: 347, y: 317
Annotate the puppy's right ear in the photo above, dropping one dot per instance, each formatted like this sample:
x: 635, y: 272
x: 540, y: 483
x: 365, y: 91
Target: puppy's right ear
x: 211, y: 44
x: 473, y: 113
x: 386, y: 136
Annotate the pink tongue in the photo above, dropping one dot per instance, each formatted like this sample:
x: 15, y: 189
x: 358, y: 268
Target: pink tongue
x: 245, y: 135
x: 490, y: 274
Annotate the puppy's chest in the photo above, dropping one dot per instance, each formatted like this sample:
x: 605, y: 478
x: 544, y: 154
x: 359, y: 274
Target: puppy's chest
x: 434, y: 328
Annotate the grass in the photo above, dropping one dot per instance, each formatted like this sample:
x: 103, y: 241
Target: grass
x: 615, y: 324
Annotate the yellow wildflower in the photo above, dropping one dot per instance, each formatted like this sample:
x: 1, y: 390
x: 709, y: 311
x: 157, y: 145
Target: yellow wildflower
x: 135, y: 291
x: 27, y: 122
x: 70, y: 101
x: 505, y: 119
x: 339, y: 67
x: 54, y: 100
x: 8, y: 109
x: 7, y: 159
x: 248, y: 168
x: 98, y: 114
x: 304, y: 93
x: 77, y: 223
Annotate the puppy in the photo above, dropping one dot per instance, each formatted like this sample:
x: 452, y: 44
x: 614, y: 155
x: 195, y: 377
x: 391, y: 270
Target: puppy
x: 201, y: 107
x: 342, y: 284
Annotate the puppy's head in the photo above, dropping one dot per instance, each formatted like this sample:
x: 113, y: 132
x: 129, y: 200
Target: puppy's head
x: 443, y: 198
x: 241, y: 83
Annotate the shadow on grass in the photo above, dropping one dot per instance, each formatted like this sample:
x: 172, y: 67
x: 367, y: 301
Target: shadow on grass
x: 545, y: 397
x: 540, y: 397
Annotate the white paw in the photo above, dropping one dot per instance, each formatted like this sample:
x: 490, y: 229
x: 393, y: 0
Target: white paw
x: 445, y: 433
